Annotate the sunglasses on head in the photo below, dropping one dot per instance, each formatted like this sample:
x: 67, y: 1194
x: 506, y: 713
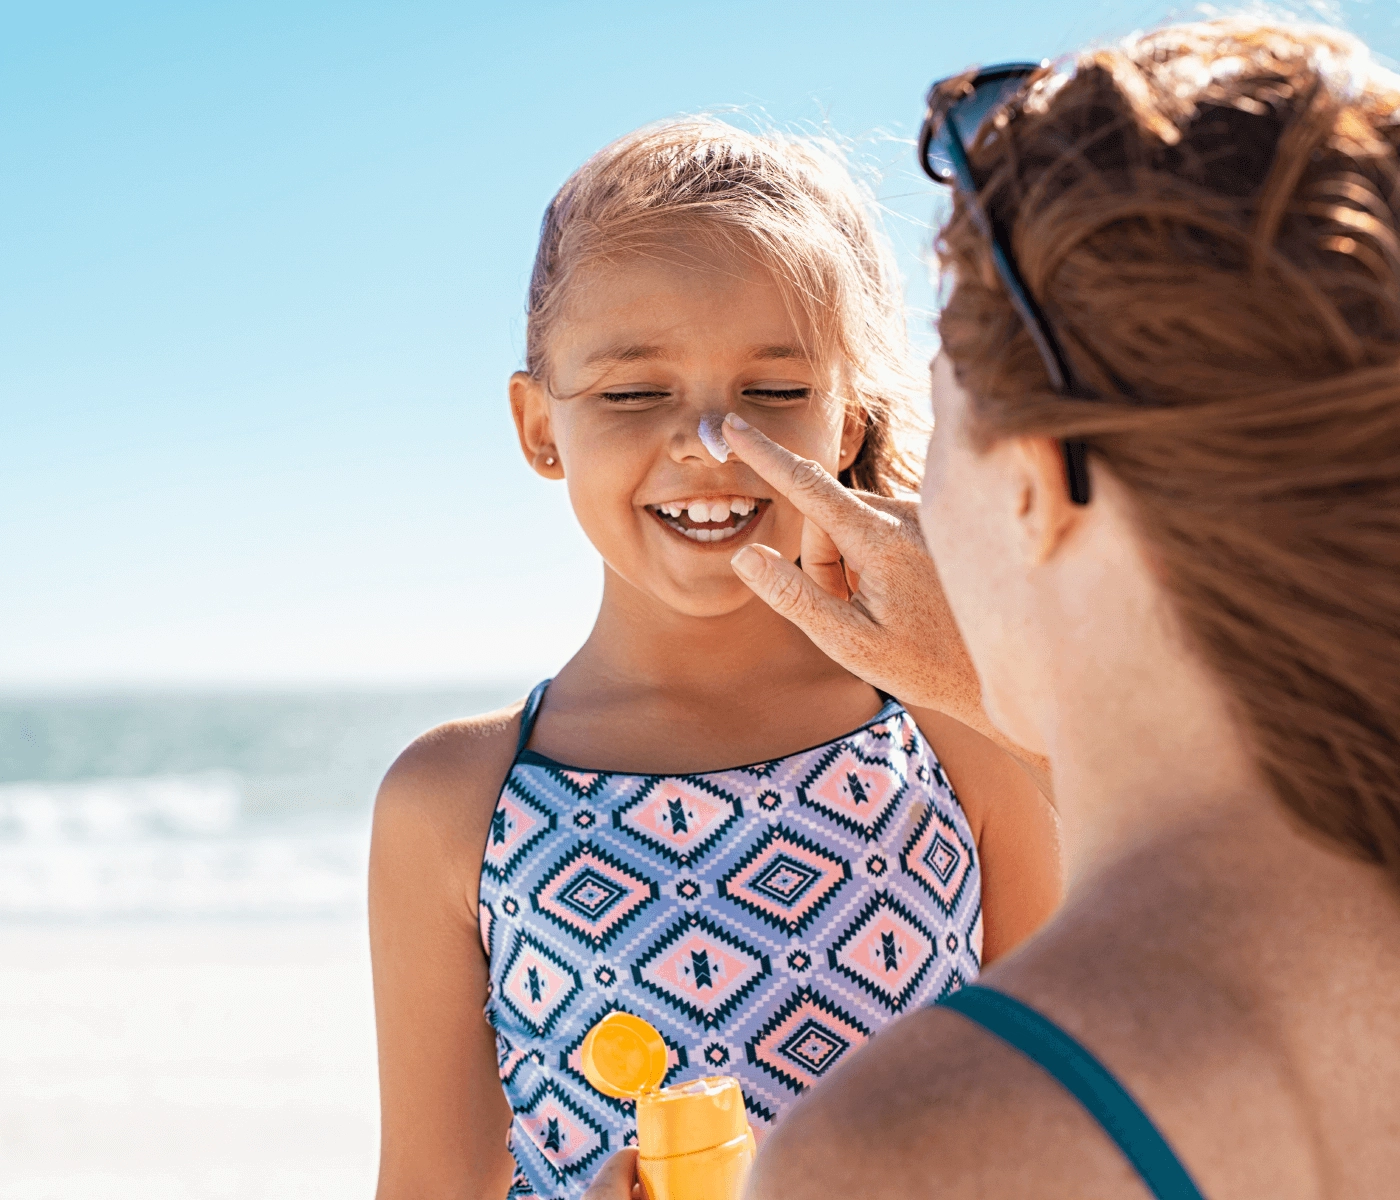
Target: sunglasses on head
x: 956, y: 109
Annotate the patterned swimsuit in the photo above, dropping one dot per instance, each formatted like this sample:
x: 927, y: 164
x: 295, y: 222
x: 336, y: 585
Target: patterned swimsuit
x: 767, y: 919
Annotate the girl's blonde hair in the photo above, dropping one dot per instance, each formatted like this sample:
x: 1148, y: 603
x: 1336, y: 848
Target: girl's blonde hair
x: 788, y: 203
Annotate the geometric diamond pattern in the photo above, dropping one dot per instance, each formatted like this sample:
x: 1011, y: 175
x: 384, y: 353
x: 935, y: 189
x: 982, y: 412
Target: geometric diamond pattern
x: 592, y: 895
x: 702, y: 969
x: 565, y: 1135
x: 938, y: 858
x: 785, y: 879
x: 679, y: 816
x: 886, y: 950
x: 767, y: 920
x: 583, y: 784
x: 859, y: 792
x: 520, y: 821
x: 537, y: 984
x: 486, y: 923
x: 804, y: 1039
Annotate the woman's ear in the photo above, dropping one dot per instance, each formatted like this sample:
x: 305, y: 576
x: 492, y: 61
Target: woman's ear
x: 1047, y: 515
x: 852, y: 436
x: 530, y: 407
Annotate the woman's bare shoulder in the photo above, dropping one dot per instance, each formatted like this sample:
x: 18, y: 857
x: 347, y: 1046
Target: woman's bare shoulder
x: 930, y: 1108
x: 443, y: 788
x: 936, y: 1106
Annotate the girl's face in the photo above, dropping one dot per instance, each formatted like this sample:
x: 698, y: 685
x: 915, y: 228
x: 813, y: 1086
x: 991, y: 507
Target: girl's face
x: 645, y: 350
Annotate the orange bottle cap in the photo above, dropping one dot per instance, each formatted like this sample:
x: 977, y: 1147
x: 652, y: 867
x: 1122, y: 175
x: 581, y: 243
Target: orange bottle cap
x: 623, y: 1056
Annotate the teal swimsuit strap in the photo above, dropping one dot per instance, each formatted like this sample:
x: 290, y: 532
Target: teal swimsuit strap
x: 528, y: 715
x: 1086, y: 1079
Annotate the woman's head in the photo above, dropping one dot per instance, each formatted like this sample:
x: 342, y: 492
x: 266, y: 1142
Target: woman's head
x: 1210, y: 217
x: 688, y: 270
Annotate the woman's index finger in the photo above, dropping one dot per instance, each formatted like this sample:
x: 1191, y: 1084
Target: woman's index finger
x: 811, y: 489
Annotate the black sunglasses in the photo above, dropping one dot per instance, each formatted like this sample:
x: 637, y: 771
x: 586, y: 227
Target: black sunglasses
x: 956, y: 109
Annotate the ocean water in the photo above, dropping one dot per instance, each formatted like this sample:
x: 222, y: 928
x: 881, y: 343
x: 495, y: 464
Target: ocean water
x: 178, y: 805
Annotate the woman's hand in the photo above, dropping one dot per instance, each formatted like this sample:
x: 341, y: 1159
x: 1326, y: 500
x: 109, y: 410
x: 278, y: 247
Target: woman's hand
x: 617, y: 1180
x: 867, y: 592
x: 887, y: 620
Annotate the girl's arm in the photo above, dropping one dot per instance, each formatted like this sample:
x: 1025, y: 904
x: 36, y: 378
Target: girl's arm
x: 444, y: 1115
x: 1015, y: 827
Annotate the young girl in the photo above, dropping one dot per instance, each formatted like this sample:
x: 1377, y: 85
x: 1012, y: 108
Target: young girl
x: 701, y: 819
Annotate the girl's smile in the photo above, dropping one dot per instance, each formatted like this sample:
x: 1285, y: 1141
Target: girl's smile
x: 711, y: 520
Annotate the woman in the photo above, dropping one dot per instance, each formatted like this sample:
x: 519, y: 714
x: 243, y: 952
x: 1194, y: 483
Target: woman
x: 1196, y: 623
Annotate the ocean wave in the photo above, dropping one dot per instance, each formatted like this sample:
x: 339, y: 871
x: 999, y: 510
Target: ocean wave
x: 168, y: 846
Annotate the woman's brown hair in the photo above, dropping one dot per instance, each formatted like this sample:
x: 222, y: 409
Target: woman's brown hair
x: 1210, y: 216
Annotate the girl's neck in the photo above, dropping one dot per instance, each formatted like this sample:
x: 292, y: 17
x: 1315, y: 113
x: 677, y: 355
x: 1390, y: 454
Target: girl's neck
x: 639, y: 643
x: 657, y: 691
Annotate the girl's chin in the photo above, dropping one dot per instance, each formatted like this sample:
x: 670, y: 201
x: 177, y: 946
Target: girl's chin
x: 712, y: 595
x: 709, y: 602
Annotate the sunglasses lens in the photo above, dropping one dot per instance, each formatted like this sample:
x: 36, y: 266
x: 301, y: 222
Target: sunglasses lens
x: 968, y: 114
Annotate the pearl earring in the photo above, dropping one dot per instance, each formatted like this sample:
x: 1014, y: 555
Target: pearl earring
x: 549, y: 462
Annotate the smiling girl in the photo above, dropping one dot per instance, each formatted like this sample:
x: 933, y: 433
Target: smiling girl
x: 701, y: 819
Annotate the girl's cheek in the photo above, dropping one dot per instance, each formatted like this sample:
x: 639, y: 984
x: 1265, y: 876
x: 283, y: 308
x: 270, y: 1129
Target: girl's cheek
x: 807, y: 434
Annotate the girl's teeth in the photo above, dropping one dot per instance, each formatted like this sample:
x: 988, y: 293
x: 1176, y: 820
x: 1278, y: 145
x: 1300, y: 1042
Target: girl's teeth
x: 710, y: 512
x: 709, y: 535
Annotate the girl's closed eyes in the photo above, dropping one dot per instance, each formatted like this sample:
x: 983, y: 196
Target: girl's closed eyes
x: 777, y: 393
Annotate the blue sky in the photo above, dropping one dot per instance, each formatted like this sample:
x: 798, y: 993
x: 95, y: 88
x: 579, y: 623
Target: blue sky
x: 262, y: 268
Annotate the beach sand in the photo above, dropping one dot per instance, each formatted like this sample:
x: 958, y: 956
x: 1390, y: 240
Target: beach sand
x: 179, y: 1061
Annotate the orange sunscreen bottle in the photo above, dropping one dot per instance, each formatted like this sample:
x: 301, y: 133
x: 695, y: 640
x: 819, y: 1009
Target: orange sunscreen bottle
x: 694, y: 1139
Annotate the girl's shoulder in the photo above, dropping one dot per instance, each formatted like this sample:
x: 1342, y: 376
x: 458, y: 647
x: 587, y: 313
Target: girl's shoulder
x: 980, y: 773
x: 439, y: 794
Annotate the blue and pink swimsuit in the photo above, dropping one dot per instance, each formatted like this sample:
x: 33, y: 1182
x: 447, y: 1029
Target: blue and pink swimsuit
x: 766, y: 919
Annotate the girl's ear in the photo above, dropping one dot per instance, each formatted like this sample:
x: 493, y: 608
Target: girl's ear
x: 852, y: 436
x: 530, y: 407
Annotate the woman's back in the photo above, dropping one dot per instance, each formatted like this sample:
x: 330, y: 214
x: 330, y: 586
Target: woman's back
x: 1239, y: 1006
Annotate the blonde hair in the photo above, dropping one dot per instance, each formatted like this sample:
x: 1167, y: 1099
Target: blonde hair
x: 789, y: 204
x: 1210, y: 216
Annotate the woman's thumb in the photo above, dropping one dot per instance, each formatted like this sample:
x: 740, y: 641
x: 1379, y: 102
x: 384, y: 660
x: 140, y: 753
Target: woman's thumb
x: 789, y: 592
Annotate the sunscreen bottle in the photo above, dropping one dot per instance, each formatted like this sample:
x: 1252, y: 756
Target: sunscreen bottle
x: 693, y: 1139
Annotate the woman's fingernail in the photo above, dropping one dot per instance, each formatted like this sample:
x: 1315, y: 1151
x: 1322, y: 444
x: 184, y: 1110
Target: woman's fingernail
x: 747, y: 563
x: 736, y: 421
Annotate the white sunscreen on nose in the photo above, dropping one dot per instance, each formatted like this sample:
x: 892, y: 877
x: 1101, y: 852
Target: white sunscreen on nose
x: 713, y: 438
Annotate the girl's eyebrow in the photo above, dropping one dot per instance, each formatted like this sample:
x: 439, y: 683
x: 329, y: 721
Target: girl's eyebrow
x: 778, y: 352
x: 622, y: 353
x: 618, y: 355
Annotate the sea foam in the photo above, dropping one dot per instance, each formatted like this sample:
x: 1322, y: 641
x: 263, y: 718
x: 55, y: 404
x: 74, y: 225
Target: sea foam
x: 168, y: 846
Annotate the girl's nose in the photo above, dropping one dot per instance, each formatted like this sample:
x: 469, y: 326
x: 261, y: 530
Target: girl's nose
x: 699, y: 440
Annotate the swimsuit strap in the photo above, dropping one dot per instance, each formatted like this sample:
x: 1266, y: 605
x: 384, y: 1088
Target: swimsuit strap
x: 1086, y: 1079
x: 528, y: 715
